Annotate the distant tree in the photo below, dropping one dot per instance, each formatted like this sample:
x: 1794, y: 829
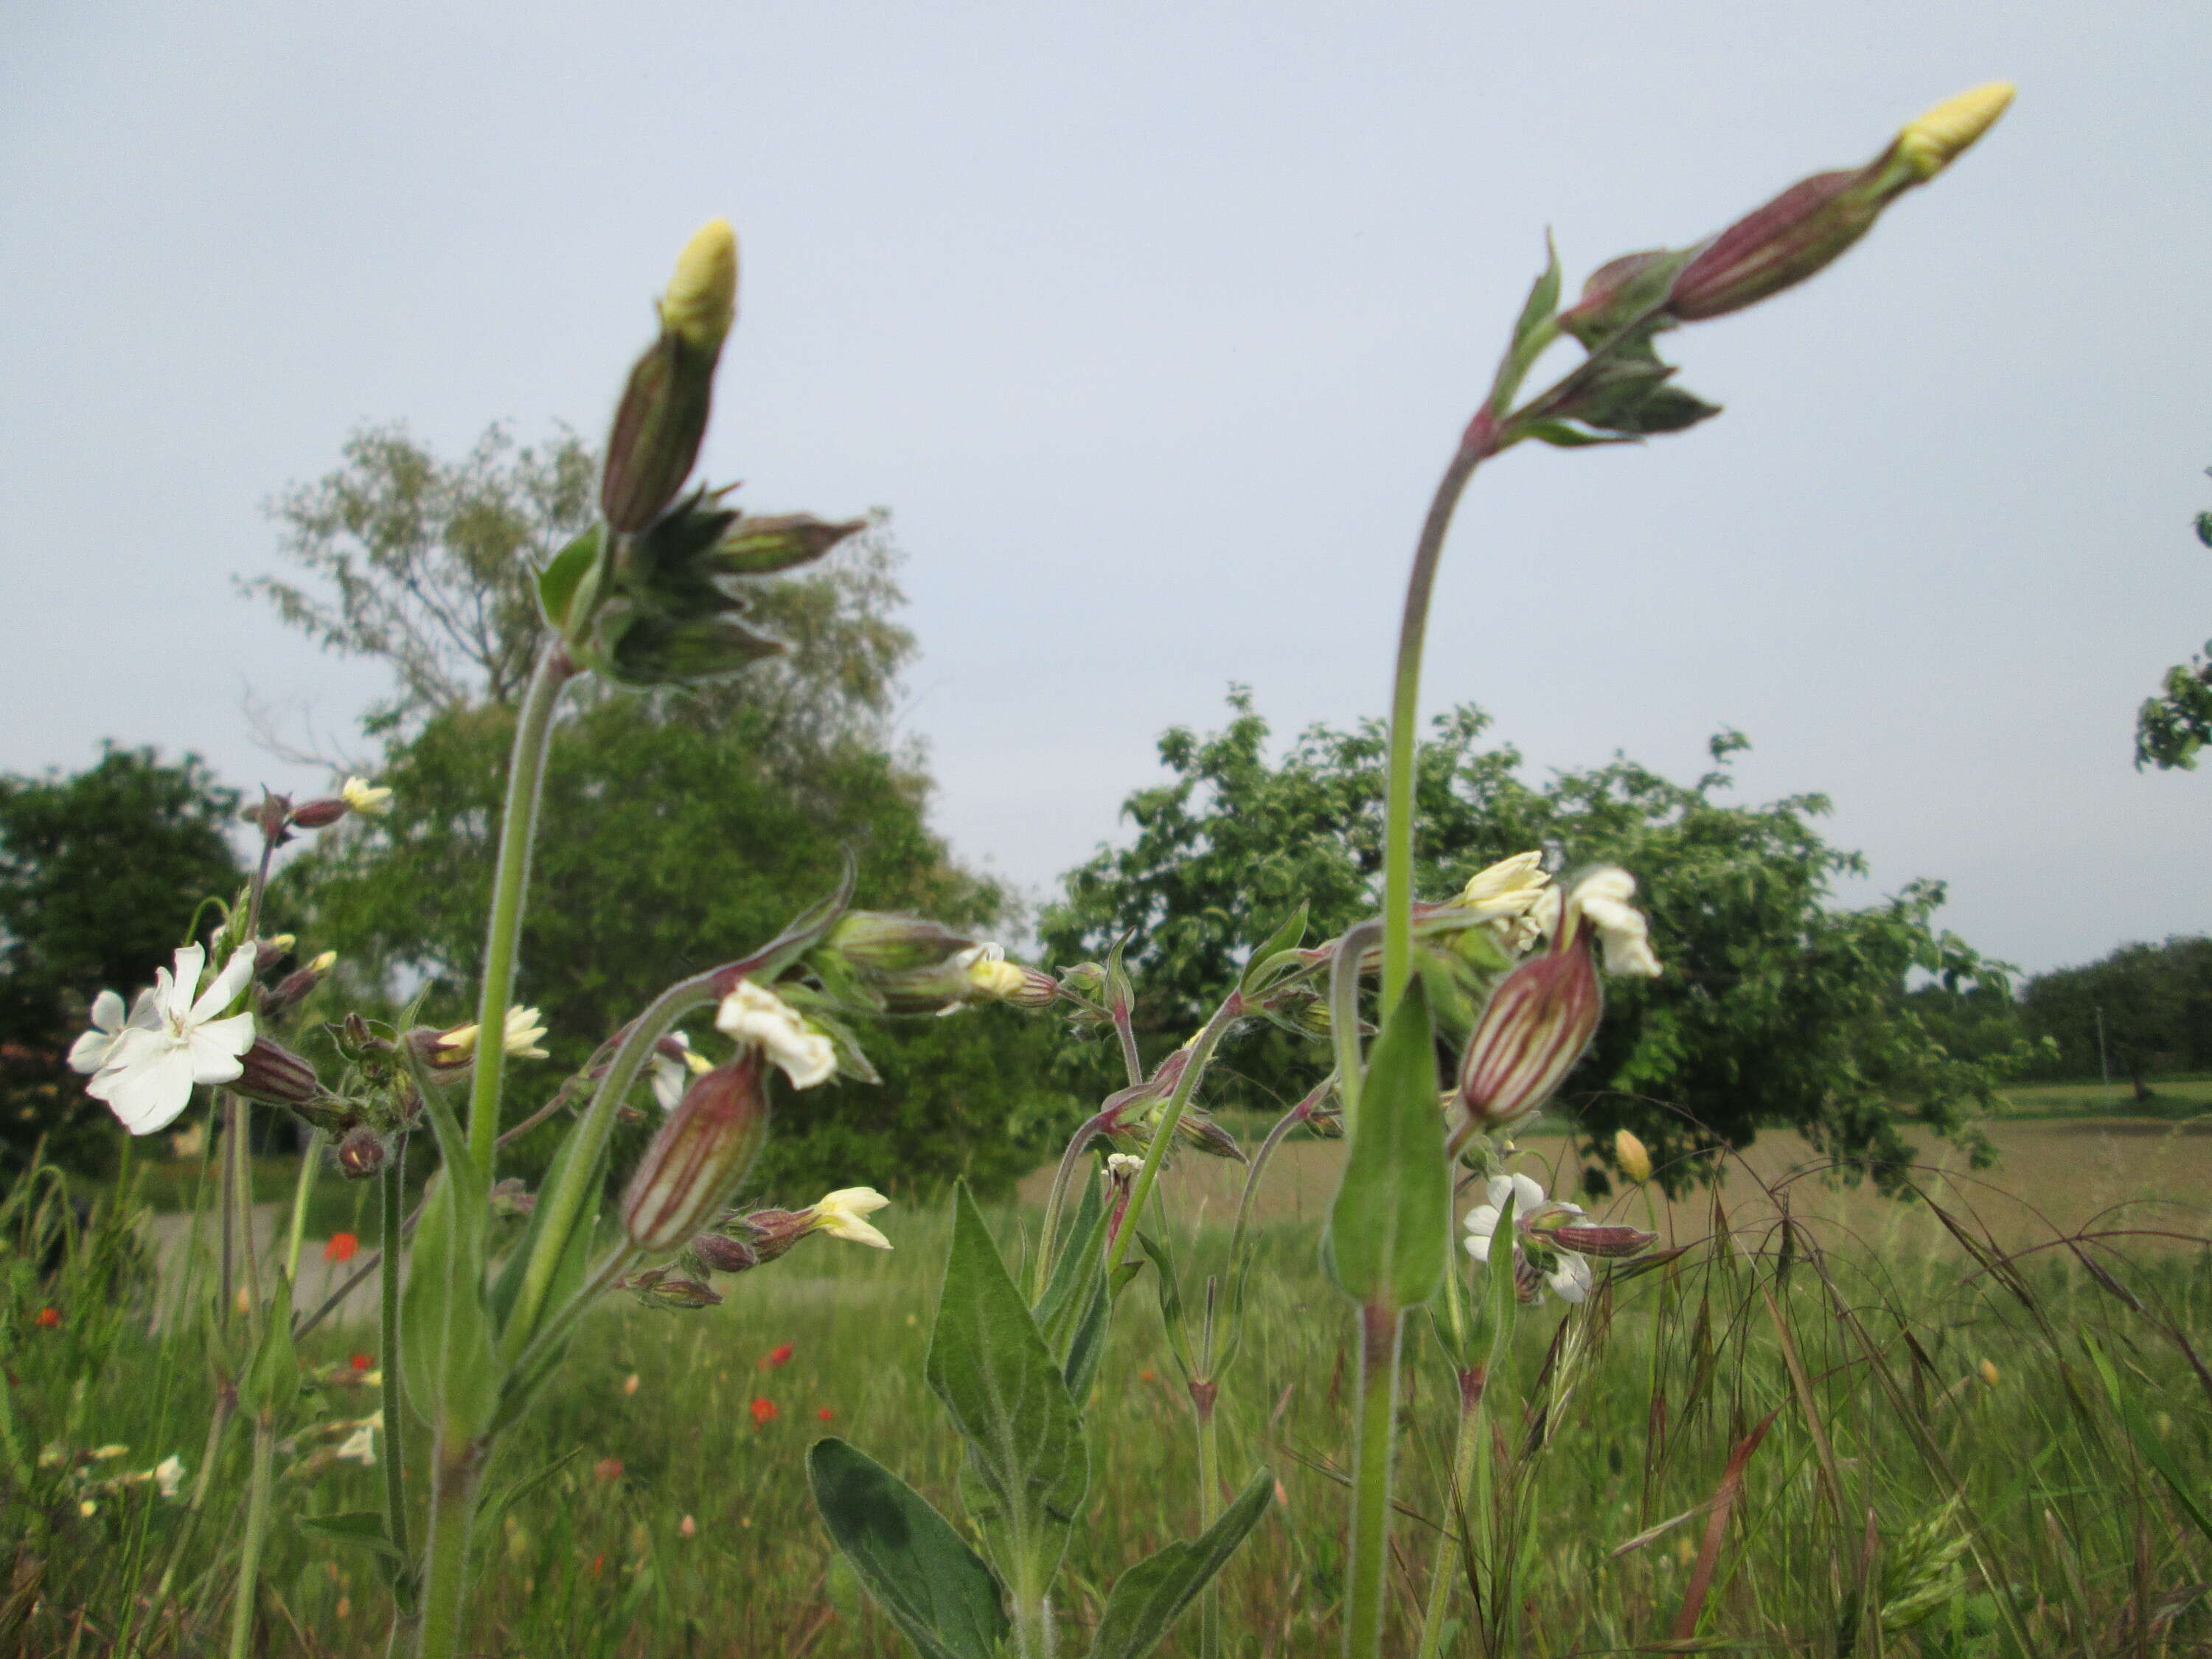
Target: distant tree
x: 2171, y: 727
x: 1775, y: 1007
x: 2148, y: 1007
x: 100, y: 873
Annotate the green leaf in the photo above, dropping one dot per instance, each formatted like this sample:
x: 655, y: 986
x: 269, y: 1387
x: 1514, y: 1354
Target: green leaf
x: 452, y: 1372
x: 272, y: 1379
x: 1560, y: 435
x: 362, y: 1528
x: 1530, y: 334
x: 935, y: 1588
x: 1145, y: 1600
x: 1067, y: 1295
x: 2146, y: 1439
x: 1090, y: 1340
x: 1006, y: 1394
x: 558, y: 582
x: 568, y: 1276
x: 1285, y: 937
x: 1168, y: 1283
x: 1390, y: 1228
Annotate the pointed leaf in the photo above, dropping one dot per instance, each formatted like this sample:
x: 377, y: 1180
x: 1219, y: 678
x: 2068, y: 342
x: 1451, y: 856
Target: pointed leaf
x: 1285, y: 937
x: 935, y: 1588
x: 1391, y: 1225
x: 558, y: 582
x: 1067, y: 1295
x: 1145, y: 1599
x: 273, y: 1380
x: 362, y: 1528
x: 1006, y: 1394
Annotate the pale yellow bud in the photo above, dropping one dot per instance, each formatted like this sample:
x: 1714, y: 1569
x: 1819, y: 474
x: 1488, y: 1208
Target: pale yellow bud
x: 1932, y: 143
x: 1631, y: 1156
x: 322, y: 963
x: 702, y: 300
x: 1989, y: 1372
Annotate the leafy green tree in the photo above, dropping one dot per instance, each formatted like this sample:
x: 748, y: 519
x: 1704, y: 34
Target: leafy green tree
x: 100, y: 873
x: 1777, y: 1008
x: 681, y: 829
x: 2171, y: 727
x: 2148, y: 1008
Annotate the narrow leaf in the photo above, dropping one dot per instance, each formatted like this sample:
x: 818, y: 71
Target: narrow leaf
x: 1145, y: 1600
x: 362, y: 1528
x: 558, y: 581
x: 1285, y: 937
x: 935, y: 1588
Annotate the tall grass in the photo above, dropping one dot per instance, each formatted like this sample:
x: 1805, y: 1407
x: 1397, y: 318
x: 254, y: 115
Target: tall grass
x: 1774, y: 1442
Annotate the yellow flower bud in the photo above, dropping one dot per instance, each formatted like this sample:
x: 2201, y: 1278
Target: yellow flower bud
x: 1631, y: 1156
x: 1990, y: 1370
x: 1936, y: 139
x: 702, y: 301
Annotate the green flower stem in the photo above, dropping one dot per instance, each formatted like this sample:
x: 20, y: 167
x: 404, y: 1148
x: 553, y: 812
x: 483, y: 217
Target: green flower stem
x: 310, y: 1163
x: 1035, y: 1635
x: 565, y: 1203
x: 1062, y: 1179
x: 1202, y: 1397
x: 257, y: 1526
x: 239, y: 1263
x: 1467, y: 1439
x: 1380, y: 1327
x: 518, y: 827
x: 1405, y: 710
x: 226, y: 1406
x: 389, y: 1357
x: 1201, y: 1056
x: 459, y: 1474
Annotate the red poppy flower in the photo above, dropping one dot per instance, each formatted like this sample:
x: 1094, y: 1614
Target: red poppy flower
x: 342, y: 1246
x: 763, y: 1412
x: 49, y: 1317
x: 825, y: 1413
x: 362, y: 1362
x: 608, y: 1468
x: 778, y: 1355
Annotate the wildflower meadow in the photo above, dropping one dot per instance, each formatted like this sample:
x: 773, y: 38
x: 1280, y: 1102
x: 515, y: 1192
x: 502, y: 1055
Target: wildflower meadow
x: 1379, y: 1370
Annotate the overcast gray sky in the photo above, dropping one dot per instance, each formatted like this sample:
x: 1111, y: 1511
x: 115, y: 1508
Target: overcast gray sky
x: 1152, y: 324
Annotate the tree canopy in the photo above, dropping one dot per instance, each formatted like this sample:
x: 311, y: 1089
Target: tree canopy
x: 99, y: 873
x: 1777, y: 1007
x: 2171, y: 727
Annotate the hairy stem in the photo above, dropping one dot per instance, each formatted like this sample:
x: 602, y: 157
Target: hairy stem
x: 310, y: 1163
x: 1467, y: 1437
x: 1379, y: 1330
x: 518, y: 827
x: 456, y: 1479
x: 1405, y: 711
x: 257, y: 1526
x: 1202, y: 1396
x: 392, y: 1183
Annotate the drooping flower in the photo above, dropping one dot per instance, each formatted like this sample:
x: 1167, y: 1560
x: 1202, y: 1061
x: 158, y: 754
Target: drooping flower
x: 1553, y: 1240
x: 842, y: 1214
x: 698, y: 1155
x: 672, y: 1072
x: 1600, y: 898
x: 753, y: 1014
x: 146, y: 1072
x: 365, y: 799
x: 1535, y: 1026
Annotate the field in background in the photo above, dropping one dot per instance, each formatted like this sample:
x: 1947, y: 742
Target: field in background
x: 1958, y: 1407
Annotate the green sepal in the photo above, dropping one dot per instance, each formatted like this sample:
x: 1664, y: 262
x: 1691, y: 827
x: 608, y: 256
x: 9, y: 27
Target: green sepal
x: 1005, y: 1392
x: 272, y: 1376
x: 1390, y: 1227
x: 766, y: 546
x: 1264, y: 960
x: 362, y: 1528
x: 574, y: 571
x: 1531, y: 333
x: 1560, y: 435
x: 920, y: 1572
x: 1079, y: 1263
x: 1146, y: 1599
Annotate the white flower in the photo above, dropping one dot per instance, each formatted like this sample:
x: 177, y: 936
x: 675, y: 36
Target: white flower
x: 147, y: 1072
x: 1509, y: 888
x: 841, y: 1213
x: 671, y: 1077
x: 1123, y: 1166
x: 169, y: 1474
x: 525, y: 1029
x: 753, y: 1014
x: 1601, y: 897
x: 990, y: 972
x: 91, y: 1051
x: 1567, y: 1274
x: 368, y: 802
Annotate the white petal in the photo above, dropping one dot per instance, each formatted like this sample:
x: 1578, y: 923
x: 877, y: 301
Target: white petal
x: 1527, y: 1194
x: 146, y: 1011
x: 216, y: 1048
x: 1482, y: 1221
x: 1570, y: 1279
x: 90, y: 1051
x: 177, y: 991
x: 149, y: 1090
x: 668, y: 1081
x: 107, y: 1012
x: 1500, y: 1188
x: 227, y: 984
x: 1478, y: 1246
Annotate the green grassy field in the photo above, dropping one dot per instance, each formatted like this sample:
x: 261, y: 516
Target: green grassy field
x: 1944, y: 1469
